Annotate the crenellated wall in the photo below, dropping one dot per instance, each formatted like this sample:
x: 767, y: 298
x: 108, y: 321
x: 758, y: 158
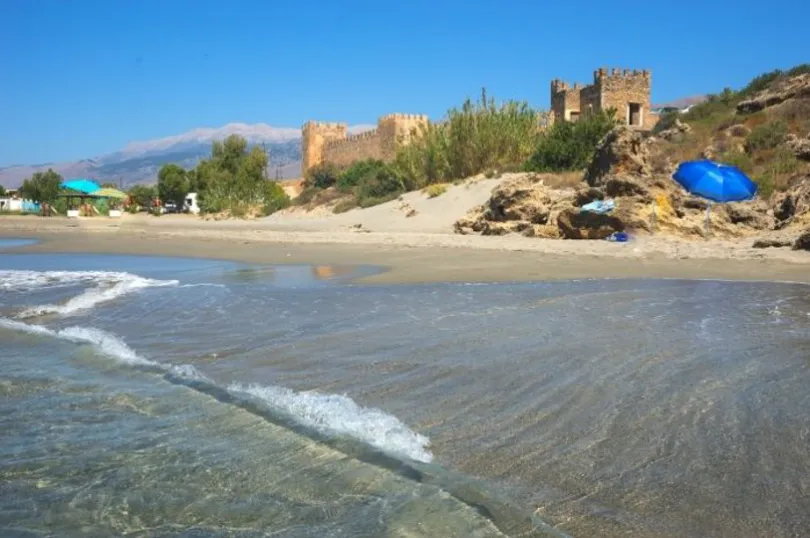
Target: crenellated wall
x: 625, y: 90
x: 314, y: 136
x: 353, y: 148
x: 328, y: 142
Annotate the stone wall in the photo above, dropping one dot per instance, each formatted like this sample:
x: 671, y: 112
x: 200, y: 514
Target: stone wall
x: 353, y: 148
x: 314, y: 135
x: 564, y: 100
x: 628, y: 91
x: 328, y: 142
x: 621, y: 89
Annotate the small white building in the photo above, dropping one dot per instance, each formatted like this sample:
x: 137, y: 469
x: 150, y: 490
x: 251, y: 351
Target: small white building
x: 190, y: 203
x: 7, y: 203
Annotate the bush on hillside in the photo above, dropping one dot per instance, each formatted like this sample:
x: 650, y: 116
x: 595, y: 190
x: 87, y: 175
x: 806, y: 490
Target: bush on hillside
x: 322, y: 176
x: 353, y: 175
x: 570, y: 145
x: 379, y: 186
x: 766, y: 136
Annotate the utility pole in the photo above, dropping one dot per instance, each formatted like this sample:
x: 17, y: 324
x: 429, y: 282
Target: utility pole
x: 267, y: 161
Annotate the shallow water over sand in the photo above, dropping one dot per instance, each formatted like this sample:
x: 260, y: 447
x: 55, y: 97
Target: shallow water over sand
x: 169, y: 396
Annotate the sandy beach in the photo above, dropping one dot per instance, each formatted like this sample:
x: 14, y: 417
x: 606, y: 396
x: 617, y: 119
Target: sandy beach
x: 426, y: 254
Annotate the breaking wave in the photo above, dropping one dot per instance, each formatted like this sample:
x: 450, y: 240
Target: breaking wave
x: 107, y: 286
x: 336, y: 414
x: 329, y: 414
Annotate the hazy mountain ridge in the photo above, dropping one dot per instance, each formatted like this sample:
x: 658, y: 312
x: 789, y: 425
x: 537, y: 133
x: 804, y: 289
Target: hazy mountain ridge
x: 140, y: 161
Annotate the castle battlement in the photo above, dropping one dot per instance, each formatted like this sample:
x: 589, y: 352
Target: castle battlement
x: 329, y: 142
x: 602, y: 74
x: 398, y: 116
x: 351, y: 138
x: 625, y: 90
x: 313, y: 124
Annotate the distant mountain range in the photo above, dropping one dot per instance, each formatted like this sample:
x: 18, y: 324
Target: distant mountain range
x: 683, y: 102
x: 139, y: 162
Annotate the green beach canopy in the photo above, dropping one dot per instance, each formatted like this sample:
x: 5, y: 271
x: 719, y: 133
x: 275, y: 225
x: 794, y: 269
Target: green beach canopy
x: 110, y: 193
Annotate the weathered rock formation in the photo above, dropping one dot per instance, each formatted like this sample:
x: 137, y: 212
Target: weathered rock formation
x: 793, y: 206
x: 521, y: 204
x: 799, y: 146
x: 622, y: 152
x: 576, y: 224
x: 777, y: 93
x: 678, y: 130
x: 803, y: 241
x: 644, y: 202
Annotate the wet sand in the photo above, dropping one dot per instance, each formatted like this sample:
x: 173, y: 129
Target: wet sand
x: 413, y: 258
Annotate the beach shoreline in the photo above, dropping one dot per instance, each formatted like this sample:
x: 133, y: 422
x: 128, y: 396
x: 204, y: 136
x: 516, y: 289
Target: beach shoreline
x: 411, y: 258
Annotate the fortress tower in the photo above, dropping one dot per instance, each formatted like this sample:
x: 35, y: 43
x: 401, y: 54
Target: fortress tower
x: 313, y: 137
x: 627, y: 91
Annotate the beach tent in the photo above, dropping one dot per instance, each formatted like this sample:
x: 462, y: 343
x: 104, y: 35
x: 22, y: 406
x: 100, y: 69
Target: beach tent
x: 110, y: 193
x: 84, y: 186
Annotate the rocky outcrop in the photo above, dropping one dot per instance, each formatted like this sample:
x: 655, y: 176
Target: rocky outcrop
x: 803, y: 241
x: 624, y: 186
x: 772, y: 242
x: 778, y: 92
x: 518, y: 205
x: 792, y: 205
x: 678, y: 131
x: 738, y: 131
x: 621, y: 153
x: 752, y: 215
x: 576, y: 224
x: 799, y: 146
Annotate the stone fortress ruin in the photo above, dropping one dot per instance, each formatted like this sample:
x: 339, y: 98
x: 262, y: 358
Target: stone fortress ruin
x: 329, y: 142
x: 626, y: 91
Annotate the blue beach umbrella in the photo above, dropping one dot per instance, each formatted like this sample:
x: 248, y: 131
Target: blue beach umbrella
x: 82, y: 185
x: 715, y: 182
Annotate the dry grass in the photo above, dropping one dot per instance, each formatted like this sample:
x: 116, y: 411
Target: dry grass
x: 562, y: 180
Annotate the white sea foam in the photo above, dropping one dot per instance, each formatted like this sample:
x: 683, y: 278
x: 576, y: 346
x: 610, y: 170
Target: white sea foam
x: 28, y: 280
x: 335, y: 414
x: 108, y: 286
x: 106, y: 343
x: 327, y: 413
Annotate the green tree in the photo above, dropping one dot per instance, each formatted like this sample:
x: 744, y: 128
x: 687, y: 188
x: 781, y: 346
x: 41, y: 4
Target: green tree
x: 142, y: 195
x: 42, y: 187
x: 172, y: 183
x: 2, y: 190
x: 109, y: 185
x: 570, y: 145
x: 233, y: 179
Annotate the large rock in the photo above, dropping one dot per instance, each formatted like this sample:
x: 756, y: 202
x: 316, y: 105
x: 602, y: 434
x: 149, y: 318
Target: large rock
x: 624, y: 186
x: 772, y: 242
x: 738, y: 131
x: 794, y: 203
x: 621, y: 153
x: 751, y: 215
x: 678, y: 131
x: 587, y: 195
x: 575, y: 224
x: 778, y: 92
x: 803, y: 241
x: 799, y: 146
x: 520, y: 204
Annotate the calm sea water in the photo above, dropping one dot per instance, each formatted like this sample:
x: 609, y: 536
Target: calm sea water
x: 171, y: 397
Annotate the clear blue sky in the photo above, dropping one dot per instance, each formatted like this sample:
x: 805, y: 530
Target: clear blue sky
x: 80, y: 78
